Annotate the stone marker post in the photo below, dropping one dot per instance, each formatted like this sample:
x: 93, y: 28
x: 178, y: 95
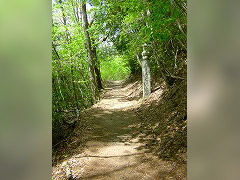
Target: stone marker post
x: 146, y: 77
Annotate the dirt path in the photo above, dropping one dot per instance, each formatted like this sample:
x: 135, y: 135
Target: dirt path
x: 114, y: 150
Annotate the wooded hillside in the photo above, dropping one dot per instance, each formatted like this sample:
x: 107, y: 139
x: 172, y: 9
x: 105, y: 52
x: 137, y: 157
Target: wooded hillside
x: 95, y: 41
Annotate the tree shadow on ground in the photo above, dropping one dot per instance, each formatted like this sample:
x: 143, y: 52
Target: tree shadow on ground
x: 106, y: 125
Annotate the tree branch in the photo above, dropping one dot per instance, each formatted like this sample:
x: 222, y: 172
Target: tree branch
x: 91, y: 22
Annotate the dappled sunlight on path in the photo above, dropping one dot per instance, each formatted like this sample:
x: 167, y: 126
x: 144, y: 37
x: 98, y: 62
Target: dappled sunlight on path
x: 114, y: 148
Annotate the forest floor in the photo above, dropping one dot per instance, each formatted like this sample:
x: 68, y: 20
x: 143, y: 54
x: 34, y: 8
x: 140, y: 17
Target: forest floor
x: 115, y: 144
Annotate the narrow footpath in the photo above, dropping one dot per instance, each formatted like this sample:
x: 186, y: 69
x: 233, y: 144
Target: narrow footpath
x: 114, y: 150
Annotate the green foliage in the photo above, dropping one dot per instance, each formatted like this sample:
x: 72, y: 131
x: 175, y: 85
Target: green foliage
x: 128, y: 26
x: 70, y: 80
x: 114, y: 68
x: 118, y: 32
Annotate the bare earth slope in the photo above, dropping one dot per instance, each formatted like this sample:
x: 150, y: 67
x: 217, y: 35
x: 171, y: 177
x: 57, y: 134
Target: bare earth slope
x: 113, y: 149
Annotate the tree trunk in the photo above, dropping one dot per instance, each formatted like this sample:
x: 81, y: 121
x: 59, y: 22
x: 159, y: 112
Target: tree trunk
x: 73, y: 85
x: 97, y: 70
x: 91, y: 59
x: 138, y: 59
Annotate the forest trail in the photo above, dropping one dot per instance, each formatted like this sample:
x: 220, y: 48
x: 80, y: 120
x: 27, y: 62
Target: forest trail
x: 114, y: 148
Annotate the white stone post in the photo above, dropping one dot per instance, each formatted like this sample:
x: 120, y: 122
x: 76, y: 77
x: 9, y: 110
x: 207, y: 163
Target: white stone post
x: 146, y: 77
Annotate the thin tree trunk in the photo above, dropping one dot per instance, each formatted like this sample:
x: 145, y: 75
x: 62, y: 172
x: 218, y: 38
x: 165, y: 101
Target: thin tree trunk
x: 73, y: 85
x: 57, y: 103
x: 138, y: 59
x: 64, y: 20
x: 97, y: 70
x: 91, y: 61
x: 59, y: 77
